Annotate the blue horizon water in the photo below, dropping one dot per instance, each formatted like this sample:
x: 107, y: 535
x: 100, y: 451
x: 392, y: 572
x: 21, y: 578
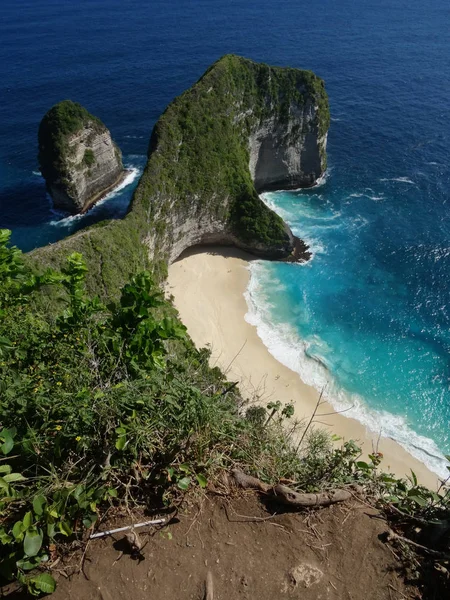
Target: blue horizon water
x: 370, y: 313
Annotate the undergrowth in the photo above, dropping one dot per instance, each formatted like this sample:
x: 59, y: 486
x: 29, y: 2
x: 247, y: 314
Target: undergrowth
x: 109, y: 404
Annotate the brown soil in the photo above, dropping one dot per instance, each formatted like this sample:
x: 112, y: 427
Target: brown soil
x: 331, y: 554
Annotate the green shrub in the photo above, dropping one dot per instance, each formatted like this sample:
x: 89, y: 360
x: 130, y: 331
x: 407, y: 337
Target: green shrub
x: 88, y: 158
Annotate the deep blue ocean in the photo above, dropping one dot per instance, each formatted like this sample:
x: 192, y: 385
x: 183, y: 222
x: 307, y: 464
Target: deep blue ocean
x: 369, y: 315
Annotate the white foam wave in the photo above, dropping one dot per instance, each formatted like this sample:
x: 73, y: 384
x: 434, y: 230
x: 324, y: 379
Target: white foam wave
x: 315, y: 245
x: 400, y: 180
x: 322, y: 180
x: 68, y: 220
x: 372, y: 196
x: 307, y: 359
x: 37, y: 174
x: 269, y: 200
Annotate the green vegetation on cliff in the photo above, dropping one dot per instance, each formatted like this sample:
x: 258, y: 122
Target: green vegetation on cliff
x: 109, y: 405
x: 63, y: 120
x: 198, y: 169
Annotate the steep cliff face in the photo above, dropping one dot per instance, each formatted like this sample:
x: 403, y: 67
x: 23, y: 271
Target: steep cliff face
x: 289, y: 153
x: 77, y: 157
x: 241, y: 129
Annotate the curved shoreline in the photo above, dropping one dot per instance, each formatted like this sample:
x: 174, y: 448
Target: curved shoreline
x: 208, y: 287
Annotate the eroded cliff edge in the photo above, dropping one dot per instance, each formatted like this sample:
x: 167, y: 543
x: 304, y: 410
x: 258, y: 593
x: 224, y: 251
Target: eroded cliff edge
x: 241, y: 129
x: 78, y: 159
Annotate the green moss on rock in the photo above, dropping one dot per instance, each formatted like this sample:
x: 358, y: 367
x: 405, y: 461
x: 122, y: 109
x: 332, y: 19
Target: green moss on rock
x: 63, y: 120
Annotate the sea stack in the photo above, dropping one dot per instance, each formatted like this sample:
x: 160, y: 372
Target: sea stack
x: 77, y: 157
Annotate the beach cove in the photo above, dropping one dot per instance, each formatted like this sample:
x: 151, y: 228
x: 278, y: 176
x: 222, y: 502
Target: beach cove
x: 208, y: 287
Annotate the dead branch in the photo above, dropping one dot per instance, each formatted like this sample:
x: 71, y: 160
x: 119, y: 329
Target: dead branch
x: 391, y: 535
x: 286, y: 495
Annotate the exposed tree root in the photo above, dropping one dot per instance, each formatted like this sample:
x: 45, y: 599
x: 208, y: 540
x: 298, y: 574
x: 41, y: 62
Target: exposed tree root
x: 285, y: 495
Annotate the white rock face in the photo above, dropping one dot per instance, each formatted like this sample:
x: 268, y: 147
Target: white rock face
x: 287, y: 155
x: 94, y: 165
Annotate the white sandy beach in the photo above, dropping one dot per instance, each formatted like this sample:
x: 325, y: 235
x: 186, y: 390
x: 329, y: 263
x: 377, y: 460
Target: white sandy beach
x: 208, y: 290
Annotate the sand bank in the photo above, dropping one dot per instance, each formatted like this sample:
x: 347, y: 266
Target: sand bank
x: 208, y: 288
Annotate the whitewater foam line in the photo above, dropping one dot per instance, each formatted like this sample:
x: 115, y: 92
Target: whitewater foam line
x: 127, y: 180
x: 297, y: 355
x: 315, y: 246
x: 400, y: 180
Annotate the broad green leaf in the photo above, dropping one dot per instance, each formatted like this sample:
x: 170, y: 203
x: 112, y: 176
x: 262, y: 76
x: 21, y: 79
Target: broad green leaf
x: 32, y: 542
x: 3, y: 484
x: 51, y: 527
x: 44, y: 583
x: 6, y: 437
x: 4, y: 537
x: 18, y: 530
x: 5, y: 469
x: 65, y: 528
x: 28, y: 520
x: 12, y: 477
x: 38, y: 504
x: 27, y: 564
x: 363, y: 465
x: 183, y: 483
x: 419, y: 500
x: 112, y: 492
x: 121, y: 442
x: 184, y: 468
x: 203, y: 482
x: 90, y: 520
x: 435, y: 497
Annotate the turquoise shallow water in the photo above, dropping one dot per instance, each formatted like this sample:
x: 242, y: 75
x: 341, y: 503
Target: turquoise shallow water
x: 370, y: 313
x: 366, y: 317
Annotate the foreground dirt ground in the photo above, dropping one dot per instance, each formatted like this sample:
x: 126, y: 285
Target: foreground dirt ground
x: 331, y: 554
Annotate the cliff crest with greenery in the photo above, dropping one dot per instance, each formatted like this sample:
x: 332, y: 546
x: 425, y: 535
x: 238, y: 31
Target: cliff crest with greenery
x: 77, y: 157
x: 242, y: 128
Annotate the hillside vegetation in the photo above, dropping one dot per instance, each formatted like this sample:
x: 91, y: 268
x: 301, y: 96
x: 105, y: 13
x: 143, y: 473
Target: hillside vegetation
x: 104, y: 399
x: 198, y: 170
x: 108, y: 404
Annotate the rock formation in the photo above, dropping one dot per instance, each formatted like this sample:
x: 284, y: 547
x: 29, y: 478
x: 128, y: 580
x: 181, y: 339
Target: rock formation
x: 77, y: 157
x: 241, y: 129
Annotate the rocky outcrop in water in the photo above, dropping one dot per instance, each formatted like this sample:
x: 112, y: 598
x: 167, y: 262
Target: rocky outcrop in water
x: 243, y: 128
x: 77, y: 157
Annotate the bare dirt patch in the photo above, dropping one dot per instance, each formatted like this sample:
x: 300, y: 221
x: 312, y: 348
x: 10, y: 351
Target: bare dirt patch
x: 331, y: 554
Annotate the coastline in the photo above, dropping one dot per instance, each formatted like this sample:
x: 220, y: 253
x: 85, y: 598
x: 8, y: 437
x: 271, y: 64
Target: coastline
x: 100, y: 195
x: 208, y: 288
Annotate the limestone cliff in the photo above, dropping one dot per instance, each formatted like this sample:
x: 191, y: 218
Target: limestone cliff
x: 77, y: 157
x: 242, y: 128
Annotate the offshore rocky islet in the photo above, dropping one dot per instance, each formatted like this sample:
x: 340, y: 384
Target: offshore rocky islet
x: 243, y: 128
x: 77, y: 157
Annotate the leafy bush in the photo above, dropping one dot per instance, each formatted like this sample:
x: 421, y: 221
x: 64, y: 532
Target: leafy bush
x: 102, y: 404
